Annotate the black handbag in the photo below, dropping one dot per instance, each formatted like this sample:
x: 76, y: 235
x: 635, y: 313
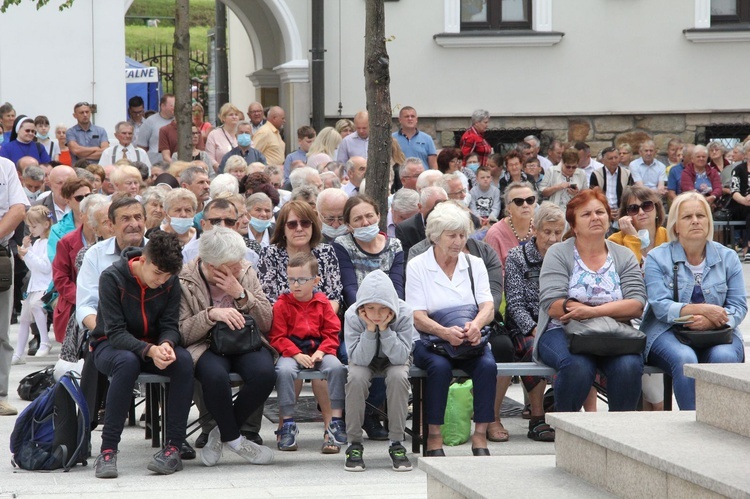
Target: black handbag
x: 222, y: 340
x: 6, y: 269
x: 32, y: 385
x: 698, y: 339
x: 604, y: 336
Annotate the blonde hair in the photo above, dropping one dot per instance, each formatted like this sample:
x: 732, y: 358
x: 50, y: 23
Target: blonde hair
x: 38, y: 215
x: 123, y: 172
x: 674, y: 214
x: 228, y: 108
x: 177, y: 167
x: 327, y: 141
x: 235, y: 162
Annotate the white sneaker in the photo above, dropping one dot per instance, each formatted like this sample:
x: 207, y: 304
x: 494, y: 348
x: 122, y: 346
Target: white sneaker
x: 17, y: 361
x: 6, y: 409
x: 44, y: 349
x: 212, y: 452
x: 252, y: 452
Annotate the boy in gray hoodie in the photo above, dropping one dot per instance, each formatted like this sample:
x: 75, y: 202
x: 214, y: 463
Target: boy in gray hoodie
x: 379, y: 334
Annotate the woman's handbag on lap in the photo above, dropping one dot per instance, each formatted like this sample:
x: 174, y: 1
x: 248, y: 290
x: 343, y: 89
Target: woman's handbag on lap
x: 225, y: 341
x: 604, y: 336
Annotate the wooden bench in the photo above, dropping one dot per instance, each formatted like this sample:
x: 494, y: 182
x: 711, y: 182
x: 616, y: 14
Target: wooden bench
x: 157, y: 389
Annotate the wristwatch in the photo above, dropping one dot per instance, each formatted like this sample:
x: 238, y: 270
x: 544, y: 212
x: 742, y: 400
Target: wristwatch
x: 241, y: 297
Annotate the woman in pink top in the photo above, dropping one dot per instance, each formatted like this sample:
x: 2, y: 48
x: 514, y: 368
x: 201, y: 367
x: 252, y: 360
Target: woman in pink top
x: 223, y: 139
x: 516, y: 228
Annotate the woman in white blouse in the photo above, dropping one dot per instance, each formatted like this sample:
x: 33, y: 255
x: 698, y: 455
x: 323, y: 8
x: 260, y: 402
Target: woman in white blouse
x: 439, y: 283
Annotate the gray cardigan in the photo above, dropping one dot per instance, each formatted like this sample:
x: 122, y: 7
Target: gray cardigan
x: 557, y: 267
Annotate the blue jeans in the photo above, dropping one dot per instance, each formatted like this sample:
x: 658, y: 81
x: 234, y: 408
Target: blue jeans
x: 576, y: 373
x: 668, y: 354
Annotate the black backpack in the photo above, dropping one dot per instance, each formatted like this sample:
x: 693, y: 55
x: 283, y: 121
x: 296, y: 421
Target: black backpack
x: 53, y: 431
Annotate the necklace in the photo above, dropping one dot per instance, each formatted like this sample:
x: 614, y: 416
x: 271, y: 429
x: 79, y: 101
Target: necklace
x: 520, y: 240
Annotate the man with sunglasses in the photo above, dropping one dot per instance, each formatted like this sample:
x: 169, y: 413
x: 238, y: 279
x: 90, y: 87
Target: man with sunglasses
x: 85, y: 140
x: 564, y: 180
x: 611, y: 178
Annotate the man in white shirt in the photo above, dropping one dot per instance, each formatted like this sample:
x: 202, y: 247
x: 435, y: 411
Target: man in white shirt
x: 585, y: 161
x: 355, y: 144
x: 148, y: 135
x: 564, y: 180
x: 356, y: 167
x: 647, y: 170
x: 612, y: 178
x: 124, y: 148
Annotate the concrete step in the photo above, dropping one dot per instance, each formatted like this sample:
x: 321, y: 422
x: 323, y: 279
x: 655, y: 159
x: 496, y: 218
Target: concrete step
x: 651, y: 454
x: 722, y: 395
x: 502, y: 476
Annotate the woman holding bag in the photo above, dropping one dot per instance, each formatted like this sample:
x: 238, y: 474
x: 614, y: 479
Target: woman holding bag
x: 709, y: 296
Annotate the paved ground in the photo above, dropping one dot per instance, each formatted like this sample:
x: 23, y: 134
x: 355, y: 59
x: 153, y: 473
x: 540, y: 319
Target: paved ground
x: 304, y: 473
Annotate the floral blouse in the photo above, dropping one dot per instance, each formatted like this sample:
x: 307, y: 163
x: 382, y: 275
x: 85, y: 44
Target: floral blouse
x: 522, y: 268
x: 273, y: 278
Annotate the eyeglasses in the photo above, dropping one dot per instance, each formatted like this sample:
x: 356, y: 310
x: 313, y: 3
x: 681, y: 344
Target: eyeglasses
x: 299, y: 281
x: 81, y: 197
x: 228, y: 222
x: 29, y: 130
x: 331, y: 220
x: 519, y: 201
x: 292, y: 225
x: 646, y: 206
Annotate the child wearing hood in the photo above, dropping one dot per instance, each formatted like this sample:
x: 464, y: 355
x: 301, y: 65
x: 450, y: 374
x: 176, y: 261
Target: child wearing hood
x: 379, y: 333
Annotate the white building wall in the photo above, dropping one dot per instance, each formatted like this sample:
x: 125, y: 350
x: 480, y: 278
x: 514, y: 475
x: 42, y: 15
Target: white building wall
x: 50, y: 60
x: 241, y: 63
x: 620, y: 57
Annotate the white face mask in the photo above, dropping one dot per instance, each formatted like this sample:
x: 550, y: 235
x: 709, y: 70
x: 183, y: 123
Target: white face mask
x: 32, y: 195
x: 333, y: 233
x: 645, y: 238
x: 367, y: 233
x: 181, y: 225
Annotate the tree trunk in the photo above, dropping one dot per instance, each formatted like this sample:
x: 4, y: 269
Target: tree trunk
x: 377, y: 86
x: 183, y: 99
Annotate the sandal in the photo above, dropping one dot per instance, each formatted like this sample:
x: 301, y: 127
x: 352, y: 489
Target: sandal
x: 541, y: 431
x: 496, y: 432
x: 329, y: 447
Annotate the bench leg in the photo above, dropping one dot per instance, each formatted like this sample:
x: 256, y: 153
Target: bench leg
x: 667, y: 392
x: 416, y: 415
x: 148, y: 409
x: 164, y: 394
x: 153, y: 417
x: 131, y: 413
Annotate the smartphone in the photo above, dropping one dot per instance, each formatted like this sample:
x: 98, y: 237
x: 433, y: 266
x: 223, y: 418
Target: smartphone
x: 574, y: 187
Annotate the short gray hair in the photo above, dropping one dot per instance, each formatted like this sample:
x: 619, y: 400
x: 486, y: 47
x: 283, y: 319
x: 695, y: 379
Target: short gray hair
x: 271, y: 170
x: 224, y: 182
x: 188, y: 175
x: 335, y: 182
x: 405, y: 200
x: 34, y: 172
x: 548, y: 212
x: 306, y: 193
x: 410, y: 161
x: 448, y: 215
x: 121, y: 124
x: 716, y: 143
x: 328, y: 194
x: 84, y: 174
x: 91, y: 205
x: 479, y: 115
x: 513, y: 186
x: 700, y: 147
x: 447, y: 178
x: 179, y: 194
x: 221, y: 245
x: 258, y: 197
x: 532, y: 138
x: 431, y: 191
x: 299, y: 176
x: 428, y: 178
x: 153, y: 194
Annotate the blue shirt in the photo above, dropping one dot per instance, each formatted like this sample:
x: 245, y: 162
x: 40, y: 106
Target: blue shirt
x: 300, y: 155
x: 352, y: 145
x: 16, y: 150
x: 673, y: 183
x: 93, y: 137
x: 420, y: 146
x: 650, y: 175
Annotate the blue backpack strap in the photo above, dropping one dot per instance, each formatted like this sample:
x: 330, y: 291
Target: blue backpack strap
x: 70, y: 383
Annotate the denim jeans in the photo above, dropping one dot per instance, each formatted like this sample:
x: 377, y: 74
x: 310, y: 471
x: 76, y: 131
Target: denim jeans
x: 668, y: 354
x: 576, y: 373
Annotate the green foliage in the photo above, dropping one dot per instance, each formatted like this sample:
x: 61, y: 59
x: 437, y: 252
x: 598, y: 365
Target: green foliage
x: 39, y: 4
x: 142, y: 37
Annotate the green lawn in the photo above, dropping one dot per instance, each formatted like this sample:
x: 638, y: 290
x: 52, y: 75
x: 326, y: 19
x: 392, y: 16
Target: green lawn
x: 142, y: 37
x: 202, y: 12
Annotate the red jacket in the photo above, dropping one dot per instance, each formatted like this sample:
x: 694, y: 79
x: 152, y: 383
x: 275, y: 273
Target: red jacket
x: 64, y: 274
x: 687, y: 180
x: 473, y: 142
x: 311, y: 320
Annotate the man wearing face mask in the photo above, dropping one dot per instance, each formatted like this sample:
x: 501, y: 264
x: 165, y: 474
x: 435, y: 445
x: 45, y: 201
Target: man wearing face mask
x: 244, y: 147
x: 32, y: 180
x: 330, y: 205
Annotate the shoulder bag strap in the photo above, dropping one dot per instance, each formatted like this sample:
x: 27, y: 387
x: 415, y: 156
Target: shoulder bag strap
x: 471, y: 280
x: 674, y: 281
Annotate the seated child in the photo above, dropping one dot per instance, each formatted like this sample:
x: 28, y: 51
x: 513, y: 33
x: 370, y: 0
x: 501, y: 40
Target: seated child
x: 485, y: 197
x: 305, y: 333
x: 379, y: 333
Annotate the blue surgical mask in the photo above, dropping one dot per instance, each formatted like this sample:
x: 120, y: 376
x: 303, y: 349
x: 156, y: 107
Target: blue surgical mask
x: 42, y: 137
x: 180, y: 225
x: 259, y: 225
x: 244, y: 139
x: 333, y: 233
x: 472, y: 166
x: 645, y: 238
x: 367, y: 233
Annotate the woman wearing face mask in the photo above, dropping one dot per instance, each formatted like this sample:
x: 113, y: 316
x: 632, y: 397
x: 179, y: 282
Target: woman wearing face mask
x: 260, y: 211
x: 179, y: 206
x: 366, y: 248
x: 42, y: 137
x: 22, y: 142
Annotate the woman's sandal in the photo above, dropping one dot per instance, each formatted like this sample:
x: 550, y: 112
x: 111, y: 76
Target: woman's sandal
x: 541, y: 431
x: 496, y: 432
x: 328, y: 446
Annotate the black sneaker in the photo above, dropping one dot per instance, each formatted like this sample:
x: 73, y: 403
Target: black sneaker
x: 166, y: 461
x: 398, y: 456
x: 105, y: 465
x: 253, y: 436
x: 186, y: 452
x: 201, y: 441
x: 373, y: 428
x: 354, y: 461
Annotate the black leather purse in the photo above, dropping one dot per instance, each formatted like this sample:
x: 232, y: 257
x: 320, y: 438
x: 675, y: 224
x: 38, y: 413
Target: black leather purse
x: 698, y: 339
x: 604, y: 336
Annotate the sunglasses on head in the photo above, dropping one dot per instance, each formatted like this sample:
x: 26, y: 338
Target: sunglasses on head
x: 81, y: 197
x: 519, y: 201
x: 646, y: 206
x: 292, y: 225
x: 228, y: 222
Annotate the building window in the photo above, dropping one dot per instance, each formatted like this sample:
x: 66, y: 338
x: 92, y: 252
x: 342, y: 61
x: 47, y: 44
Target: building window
x: 496, y: 14
x: 730, y: 12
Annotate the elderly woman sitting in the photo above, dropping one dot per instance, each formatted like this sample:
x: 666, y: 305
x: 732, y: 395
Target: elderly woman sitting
x: 221, y: 286
x: 522, y: 267
x: 452, y: 301
x: 180, y: 205
x: 153, y: 200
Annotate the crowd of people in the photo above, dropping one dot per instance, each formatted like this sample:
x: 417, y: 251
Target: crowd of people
x: 248, y: 260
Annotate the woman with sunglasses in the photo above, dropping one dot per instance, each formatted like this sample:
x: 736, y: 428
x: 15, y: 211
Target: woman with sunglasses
x: 22, y: 142
x: 522, y: 311
x: 641, y: 217
x: 585, y: 277
x: 517, y: 227
x: 74, y: 190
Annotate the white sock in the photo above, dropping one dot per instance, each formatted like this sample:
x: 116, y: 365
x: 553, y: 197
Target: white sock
x: 235, y: 444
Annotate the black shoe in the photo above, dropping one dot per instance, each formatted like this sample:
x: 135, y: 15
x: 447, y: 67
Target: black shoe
x: 434, y: 453
x: 354, y: 461
x: 374, y: 428
x: 480, y: 451
x: 105, y: 465
x: 398, y: 457
x: 201, y: 441
x: 166, y: 461
x: 253, y: 436
x: 187, y: 452
x: 33, y: 345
